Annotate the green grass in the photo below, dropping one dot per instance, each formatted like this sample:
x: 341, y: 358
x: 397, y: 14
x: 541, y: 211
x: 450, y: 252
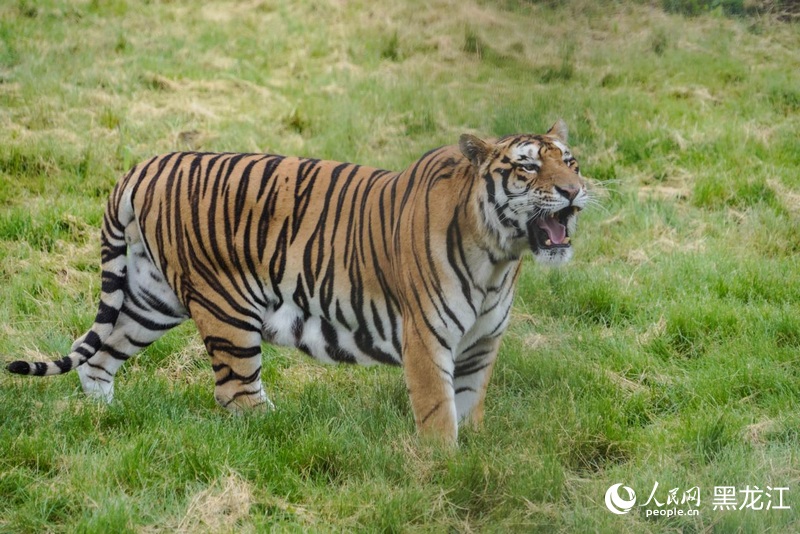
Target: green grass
x: 666, y: 352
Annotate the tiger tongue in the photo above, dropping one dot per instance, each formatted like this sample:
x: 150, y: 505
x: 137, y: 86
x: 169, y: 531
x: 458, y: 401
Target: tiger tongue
x: 555, y: 230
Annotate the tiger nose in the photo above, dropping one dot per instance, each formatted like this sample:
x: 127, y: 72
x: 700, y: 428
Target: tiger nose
x: 568, y: 191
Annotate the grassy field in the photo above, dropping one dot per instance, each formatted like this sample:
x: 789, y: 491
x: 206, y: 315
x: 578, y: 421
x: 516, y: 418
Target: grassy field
x: 666, y: 353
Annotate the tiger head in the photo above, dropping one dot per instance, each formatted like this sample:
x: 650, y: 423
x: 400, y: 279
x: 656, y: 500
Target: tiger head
x: 533, y: 190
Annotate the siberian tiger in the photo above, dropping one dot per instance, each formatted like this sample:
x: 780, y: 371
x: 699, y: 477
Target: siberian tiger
x: 347, y: 263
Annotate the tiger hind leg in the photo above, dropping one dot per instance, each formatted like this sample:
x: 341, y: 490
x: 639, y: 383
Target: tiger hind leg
x: 150, y: 308
x: 235, y: 350
x: 132, y: 333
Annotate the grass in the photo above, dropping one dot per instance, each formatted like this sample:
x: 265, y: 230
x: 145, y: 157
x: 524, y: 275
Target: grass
x: 666, y: 352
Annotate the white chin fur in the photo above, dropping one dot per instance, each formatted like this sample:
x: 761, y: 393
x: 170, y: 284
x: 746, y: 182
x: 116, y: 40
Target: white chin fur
x: 553, y: 256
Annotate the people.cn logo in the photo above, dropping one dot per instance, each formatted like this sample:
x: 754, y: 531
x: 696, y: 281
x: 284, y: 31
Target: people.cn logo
x: 616, y: 503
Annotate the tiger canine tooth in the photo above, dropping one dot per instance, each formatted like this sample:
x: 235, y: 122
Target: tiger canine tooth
x: 566, y: 241
x: 548, y: 243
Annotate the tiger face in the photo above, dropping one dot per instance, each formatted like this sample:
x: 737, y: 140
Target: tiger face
x: 533, y: 192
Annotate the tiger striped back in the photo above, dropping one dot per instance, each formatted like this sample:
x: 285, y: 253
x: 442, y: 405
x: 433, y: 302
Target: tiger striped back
x: 282, y: 247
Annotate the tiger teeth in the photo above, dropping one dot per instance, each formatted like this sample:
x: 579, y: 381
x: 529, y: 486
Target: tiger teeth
x: 548, y: 243
x: 566, y: 241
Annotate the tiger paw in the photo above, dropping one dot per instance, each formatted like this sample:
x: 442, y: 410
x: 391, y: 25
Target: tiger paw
x: 95, y: 386
x: 245, y: 401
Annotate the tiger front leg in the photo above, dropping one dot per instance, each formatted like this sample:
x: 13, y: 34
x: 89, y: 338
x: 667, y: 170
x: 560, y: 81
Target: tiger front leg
x: 428, y: 368
x: 473, y: 370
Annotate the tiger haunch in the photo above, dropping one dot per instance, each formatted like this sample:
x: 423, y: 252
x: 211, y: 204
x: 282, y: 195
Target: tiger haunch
x: 350, y: 264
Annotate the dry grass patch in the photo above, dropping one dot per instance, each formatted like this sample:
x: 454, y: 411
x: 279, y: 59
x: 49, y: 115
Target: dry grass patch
x: 223, y: 507
x: 788, y: 197
x: 183, y: 366
x: 756, y: 434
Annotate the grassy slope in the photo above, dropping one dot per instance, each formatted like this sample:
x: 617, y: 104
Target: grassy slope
x: 666, y: 352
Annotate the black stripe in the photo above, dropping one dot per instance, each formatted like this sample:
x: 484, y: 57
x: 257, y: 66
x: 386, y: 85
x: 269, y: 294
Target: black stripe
x: 86, y: 353
x: 64, y: 364
x: 427, y: 322
x: 111, y: 281
x: 221, y: 344
x: 430, y: 413
x: 464, y: 370
x: 475, y: 356
x: 106, y: 314
x: 156, y: 304
x: 242, y: 394
x: 332, y: 348
x: 136, y: 342
x: 454, y: 242
x: 307, y: 170
x: 114, y: 353
x: 93, y: 340
x: 249, y: 379
x: 100, y: 368
x: 148, y: 323
x: 277, y: 263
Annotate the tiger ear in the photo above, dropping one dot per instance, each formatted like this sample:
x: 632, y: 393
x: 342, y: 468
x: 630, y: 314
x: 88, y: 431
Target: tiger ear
x: 475, y: 149
x: 559, y: 131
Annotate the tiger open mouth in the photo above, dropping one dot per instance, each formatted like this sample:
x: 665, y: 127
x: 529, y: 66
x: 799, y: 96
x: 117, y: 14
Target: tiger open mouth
x: 551, y: 231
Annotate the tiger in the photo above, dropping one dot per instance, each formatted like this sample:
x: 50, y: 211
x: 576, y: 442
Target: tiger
x: 347, y: 263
